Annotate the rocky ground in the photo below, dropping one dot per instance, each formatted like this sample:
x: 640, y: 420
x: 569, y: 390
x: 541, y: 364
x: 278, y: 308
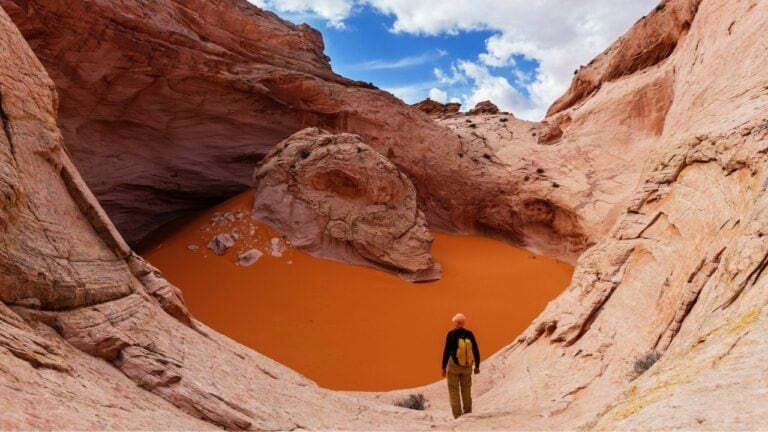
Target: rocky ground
x: 650, y: 171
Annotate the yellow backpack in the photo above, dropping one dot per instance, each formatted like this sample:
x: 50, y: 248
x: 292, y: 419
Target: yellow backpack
x: 464, y: 352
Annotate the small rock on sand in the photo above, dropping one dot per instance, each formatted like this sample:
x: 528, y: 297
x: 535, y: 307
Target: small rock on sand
x: 276, y: 247
x: 249, y: 257
x: 221, y: 243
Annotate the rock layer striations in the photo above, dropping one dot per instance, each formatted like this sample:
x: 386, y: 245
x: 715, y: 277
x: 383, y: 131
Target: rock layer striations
x: 167, y: 106
x: 654, y: 162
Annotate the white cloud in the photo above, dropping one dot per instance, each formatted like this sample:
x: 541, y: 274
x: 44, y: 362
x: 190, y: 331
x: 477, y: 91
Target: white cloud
x: 486, y: 86
x: 404, y: 62
x: 454, y: 77
x: 438, y: 95
x: 411, y: 93
x: 332, y: 11
x: 560, y: 34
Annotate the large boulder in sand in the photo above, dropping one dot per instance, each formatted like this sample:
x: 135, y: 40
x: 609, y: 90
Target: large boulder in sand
x: 336, y: 197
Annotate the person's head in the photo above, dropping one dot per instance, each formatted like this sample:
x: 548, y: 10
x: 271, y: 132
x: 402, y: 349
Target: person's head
x: 459, y: 320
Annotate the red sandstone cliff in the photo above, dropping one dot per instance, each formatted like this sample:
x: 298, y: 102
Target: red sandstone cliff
x: 661, y: 160
x: 166, y: 106
x: 91, y: 337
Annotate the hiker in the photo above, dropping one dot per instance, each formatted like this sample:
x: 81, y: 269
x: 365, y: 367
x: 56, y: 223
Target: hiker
x: 460, y: 354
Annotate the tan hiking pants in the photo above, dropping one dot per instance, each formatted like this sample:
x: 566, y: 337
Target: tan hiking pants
x: 459, y: 383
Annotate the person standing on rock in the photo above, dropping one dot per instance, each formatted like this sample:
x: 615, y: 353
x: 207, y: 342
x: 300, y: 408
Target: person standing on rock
x: 459, y: 356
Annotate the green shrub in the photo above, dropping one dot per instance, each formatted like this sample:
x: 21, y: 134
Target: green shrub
x: 414, y: 402
x: 644, y: 362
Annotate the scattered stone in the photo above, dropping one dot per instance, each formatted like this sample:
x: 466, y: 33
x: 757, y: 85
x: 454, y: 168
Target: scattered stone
x: 193, y: 248
x: 276, y: 247
x: 249, y: 257
x: 221, y: 243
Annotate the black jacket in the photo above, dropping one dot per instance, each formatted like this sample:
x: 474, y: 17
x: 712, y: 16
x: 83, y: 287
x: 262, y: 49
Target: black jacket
x: 452, y: 344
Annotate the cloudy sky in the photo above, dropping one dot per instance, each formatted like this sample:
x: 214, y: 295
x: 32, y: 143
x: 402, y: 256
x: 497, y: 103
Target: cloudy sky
x: 521, y: 54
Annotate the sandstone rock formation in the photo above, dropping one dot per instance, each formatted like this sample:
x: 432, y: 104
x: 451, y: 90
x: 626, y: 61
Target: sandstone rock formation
x: 680, y: 270
x: 661, y: 164
x: 436, y: 109
x: 484, y: 107
x: 84, y: 343
x: 334, y: 196
x: 649, y: 42
x: 221, y: 243
x: 170, y: 114
x: 547, y: 133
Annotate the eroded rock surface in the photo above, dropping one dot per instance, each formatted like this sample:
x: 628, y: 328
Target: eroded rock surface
x: 661, y: 165
x: 336, y: 197
x: 249, y: 257
x: 649, y: 42
x: 170, y: 114
x: 166, y: 106
x: 92, y: 337
x: 221, y: 243
x: 680, y: 268
x: 437, y: 109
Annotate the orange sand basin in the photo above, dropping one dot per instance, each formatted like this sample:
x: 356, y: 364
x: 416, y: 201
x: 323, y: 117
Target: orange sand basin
x: 350, y: 327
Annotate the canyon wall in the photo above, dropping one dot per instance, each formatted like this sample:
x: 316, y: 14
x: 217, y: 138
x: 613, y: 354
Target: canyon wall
x: 93, y: 338
x: 680, y: 272
x: 167, y: 106
x: 656, y: 155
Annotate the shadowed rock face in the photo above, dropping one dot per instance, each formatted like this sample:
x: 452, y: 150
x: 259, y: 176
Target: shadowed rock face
x: 152, y: 92
x: 334, y: 196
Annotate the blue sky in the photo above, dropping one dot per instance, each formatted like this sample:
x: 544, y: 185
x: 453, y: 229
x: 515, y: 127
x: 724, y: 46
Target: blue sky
x: 519, y: 53
x: 365, y: 49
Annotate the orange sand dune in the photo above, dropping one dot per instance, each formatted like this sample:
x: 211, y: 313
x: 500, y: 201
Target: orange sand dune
x: 350, y: 327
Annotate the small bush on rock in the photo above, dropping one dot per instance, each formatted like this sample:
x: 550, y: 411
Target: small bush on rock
x: 414, y: 402
x: 644, y: 362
